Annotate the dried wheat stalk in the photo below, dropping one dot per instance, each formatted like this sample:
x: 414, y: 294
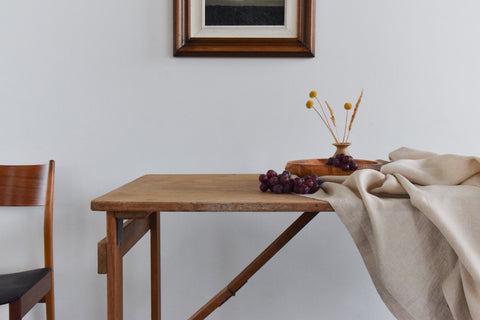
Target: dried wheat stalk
x: 354, y: 113
x: 325, y: 115
x: 332, y: 116
x: 325, y: 121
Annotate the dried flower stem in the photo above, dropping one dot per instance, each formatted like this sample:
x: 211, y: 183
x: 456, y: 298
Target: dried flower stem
x: 325, y: 121
x: 354, y: 113
x: 345, y: 131
x: 324, y: 114
x: 332, y: 116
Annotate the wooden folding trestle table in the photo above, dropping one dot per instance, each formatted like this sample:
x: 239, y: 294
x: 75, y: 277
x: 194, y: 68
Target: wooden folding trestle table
x: 141, y: 201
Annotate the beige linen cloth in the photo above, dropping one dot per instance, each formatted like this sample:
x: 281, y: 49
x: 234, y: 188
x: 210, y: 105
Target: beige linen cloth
x: 417, y: 226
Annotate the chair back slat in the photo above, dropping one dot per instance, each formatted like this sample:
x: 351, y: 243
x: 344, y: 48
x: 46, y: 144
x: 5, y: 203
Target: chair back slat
x: 32, y: 185
x: 23, y: 185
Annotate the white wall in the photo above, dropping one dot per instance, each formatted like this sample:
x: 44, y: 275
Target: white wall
x: 93, y: 85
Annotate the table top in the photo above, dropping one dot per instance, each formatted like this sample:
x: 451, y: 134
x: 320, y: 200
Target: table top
x: 202, y: 192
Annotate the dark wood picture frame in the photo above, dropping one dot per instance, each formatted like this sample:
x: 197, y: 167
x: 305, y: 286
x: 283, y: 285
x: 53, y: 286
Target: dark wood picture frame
x: 303, y: 45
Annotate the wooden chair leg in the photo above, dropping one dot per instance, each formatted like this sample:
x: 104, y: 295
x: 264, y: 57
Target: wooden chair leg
x: 15, y: 310
x: 35, y: 295
x: 50, y: 304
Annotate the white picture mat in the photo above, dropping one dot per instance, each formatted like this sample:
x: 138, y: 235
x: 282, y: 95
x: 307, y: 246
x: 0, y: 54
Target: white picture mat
x: 199, y: 30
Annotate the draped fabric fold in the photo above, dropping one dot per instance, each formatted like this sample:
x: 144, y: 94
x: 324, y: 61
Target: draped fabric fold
x: 416, y: 224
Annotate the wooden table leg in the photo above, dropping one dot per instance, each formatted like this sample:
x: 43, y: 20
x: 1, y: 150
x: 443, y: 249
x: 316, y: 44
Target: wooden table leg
x: 114, y: 271
x: 253, y: 267
x: 155, y: 265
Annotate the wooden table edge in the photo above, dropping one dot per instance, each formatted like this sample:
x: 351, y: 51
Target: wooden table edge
x: 313, y: 206
x: 249, y: 200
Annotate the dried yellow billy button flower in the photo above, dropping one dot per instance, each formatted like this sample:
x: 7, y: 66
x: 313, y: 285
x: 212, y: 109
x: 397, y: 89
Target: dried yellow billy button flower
x: 347, y: 107
x: 311, y: 104
x: 323, y: 115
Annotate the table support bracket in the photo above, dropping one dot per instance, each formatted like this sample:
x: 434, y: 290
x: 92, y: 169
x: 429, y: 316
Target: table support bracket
x: 231, y: 289
x: 119, y: 230
x: 132, y: 231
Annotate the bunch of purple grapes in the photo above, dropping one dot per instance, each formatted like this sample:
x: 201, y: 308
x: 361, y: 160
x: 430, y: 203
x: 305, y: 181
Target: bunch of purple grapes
x: 285, y: 183
x: 343, y: 162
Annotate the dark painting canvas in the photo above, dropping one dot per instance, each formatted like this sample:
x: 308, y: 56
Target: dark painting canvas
x: 244, y: 12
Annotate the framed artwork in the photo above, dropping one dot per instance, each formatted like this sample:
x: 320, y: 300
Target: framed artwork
x: 244, y: 28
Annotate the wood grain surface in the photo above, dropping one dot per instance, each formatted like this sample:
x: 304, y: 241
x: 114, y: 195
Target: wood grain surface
x: 319, y: 167
x: 202, y: 192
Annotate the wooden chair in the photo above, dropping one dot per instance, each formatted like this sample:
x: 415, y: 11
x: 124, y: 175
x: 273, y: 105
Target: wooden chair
x: 30, y: 185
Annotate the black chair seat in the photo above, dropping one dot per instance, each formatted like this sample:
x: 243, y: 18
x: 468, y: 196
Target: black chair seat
x: 14, y: 285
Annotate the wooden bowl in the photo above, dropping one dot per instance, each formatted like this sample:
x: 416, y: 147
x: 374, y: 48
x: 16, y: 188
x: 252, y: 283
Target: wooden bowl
x: 307, y: 167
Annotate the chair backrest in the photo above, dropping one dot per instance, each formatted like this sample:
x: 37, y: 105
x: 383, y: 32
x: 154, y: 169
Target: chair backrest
x: 31, y: 185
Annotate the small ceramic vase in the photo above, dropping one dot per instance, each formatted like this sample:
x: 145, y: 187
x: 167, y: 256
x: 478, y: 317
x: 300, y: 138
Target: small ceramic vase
x: 342, y: 147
